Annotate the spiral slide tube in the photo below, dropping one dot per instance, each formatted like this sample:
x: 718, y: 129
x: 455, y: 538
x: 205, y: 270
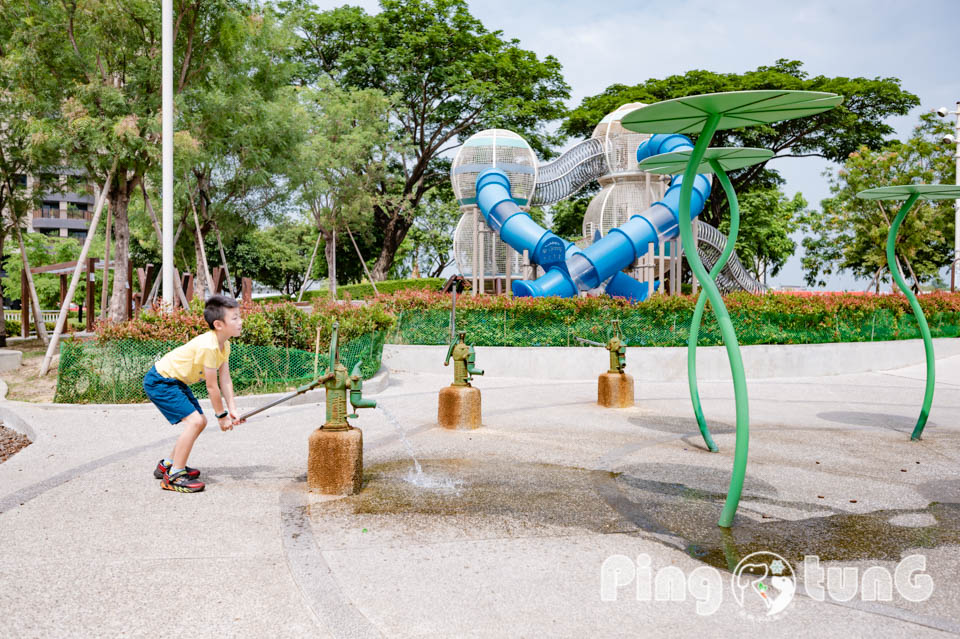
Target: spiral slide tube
x: 566, y: 175
x: 605, y: 259
x: 517, y: 229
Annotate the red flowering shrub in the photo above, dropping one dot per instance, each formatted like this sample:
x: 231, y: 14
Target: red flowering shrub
x: 279, y: 324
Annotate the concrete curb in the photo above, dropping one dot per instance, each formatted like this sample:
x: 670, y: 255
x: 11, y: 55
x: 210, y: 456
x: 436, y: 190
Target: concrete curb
x: 669, y: 364
x: 13, y: 421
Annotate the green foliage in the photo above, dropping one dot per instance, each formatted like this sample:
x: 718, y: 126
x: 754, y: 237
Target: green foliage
x: 276, y: 256
x: 41, y: 251
x: 767, y: 218
x: 833, y: 135
x: 113, y: 371
x: 774, y: 318
x: 429, y: 243
x: 365, y: 290
x: 568, y: 217
x: 449, y: 77
x: 340, y: 162
x: 850, y: 234
x: 281, y: 324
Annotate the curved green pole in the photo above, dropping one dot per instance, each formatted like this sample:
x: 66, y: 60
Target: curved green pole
x: 723, y: 319
x: 918, y: 313
x: 702, y: 301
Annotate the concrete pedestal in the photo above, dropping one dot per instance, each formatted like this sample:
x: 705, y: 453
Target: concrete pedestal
x: 10, y: 360
x: 335, y: 461
x: 459, y: 407
x: 615, y: 390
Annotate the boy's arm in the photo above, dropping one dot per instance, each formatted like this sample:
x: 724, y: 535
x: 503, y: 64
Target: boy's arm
x: 216, y: 398
x: 226, y: 387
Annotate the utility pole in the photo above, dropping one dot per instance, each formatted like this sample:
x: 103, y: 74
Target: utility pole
x: 166, y: 6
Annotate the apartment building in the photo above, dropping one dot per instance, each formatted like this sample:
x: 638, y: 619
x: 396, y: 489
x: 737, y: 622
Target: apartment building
x: 62, y: 213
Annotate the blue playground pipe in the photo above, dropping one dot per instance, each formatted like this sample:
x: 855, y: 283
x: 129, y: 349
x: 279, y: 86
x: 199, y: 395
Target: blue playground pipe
x: 569, y: 269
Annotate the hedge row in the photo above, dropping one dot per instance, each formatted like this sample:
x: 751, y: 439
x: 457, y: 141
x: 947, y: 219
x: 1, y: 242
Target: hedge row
x: 774, y: 318
x: 281, y: 324
x: 365, y: 291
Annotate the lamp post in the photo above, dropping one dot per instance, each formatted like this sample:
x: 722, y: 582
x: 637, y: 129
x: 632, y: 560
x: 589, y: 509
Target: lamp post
x: 954, y: 139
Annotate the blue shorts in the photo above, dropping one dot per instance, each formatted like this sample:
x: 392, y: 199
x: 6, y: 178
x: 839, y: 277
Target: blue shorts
x: 174, y: 398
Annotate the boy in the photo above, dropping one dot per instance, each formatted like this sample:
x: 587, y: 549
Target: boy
x: 166, y: 386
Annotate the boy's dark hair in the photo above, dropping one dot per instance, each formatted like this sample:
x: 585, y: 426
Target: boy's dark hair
x: 216, y: 307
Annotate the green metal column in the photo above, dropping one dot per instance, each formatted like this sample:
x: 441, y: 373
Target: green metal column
x: 723, y: 319
x: 702, y: 302
x: 917, y: 312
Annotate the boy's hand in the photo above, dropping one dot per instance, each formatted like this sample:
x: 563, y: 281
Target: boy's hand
x: 236, y: 418
x: 226, y: 422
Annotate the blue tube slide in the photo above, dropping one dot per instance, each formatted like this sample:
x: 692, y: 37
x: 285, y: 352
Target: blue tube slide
x: 570, y: 269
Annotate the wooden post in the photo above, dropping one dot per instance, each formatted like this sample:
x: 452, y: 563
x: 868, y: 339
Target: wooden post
x: 247, y: 288
x: 24, y: 305
x: 91, y: 285
x: 475, y: 279
x: 508, y: 279
x: 141, y: 294
x: 145, y: 279
x: 482, y: 281
x: 663, y: 279
x: 219, y: 280
x: 215, y: 281
x: 63, y: 287
x: 187, y: 286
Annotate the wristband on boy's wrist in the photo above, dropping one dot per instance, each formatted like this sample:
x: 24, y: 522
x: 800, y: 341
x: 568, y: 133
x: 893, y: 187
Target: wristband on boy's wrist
x: 223, y: 414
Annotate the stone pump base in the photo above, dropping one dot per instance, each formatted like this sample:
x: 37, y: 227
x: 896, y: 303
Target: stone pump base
x: 335, y: 461
x: 459, y: 407
x: 615, y: 390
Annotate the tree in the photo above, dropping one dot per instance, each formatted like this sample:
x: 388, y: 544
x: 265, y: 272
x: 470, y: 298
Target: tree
x: 237, y: 129
x: 100, y: 63
x: 568, y: 216
x: 851, y: 233
x: 342, y: 161
x: 429, y: 244
x: 832, y: 135
x: 43, y: 250
x: 25, y: 149
x: 763, y: 242
x: 275, y: 256
x: 451, y: 77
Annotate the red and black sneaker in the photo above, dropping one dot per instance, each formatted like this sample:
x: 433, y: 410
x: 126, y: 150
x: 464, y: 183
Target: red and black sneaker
x: 162, y: 469
x: 181, y: 483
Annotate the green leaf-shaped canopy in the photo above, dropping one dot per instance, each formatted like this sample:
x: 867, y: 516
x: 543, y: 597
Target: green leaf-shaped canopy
x: 737, y: 109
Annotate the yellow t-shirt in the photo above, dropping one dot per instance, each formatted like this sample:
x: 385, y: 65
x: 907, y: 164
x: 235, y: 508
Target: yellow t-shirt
x: 187, y: 362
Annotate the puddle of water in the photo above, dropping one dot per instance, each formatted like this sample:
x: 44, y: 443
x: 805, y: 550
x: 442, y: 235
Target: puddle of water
x: 677, y: 505
x: 433, y: 481
x: 690, y: 516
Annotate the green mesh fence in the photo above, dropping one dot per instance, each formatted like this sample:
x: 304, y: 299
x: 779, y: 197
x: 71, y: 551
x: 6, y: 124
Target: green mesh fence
x: 526, y: 328
x: 113, y: 372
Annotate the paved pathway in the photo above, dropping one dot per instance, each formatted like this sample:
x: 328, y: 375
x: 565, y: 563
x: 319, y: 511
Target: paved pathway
x: 506, y: 531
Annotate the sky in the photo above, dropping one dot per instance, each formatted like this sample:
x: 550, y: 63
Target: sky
x: 605, y: 42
